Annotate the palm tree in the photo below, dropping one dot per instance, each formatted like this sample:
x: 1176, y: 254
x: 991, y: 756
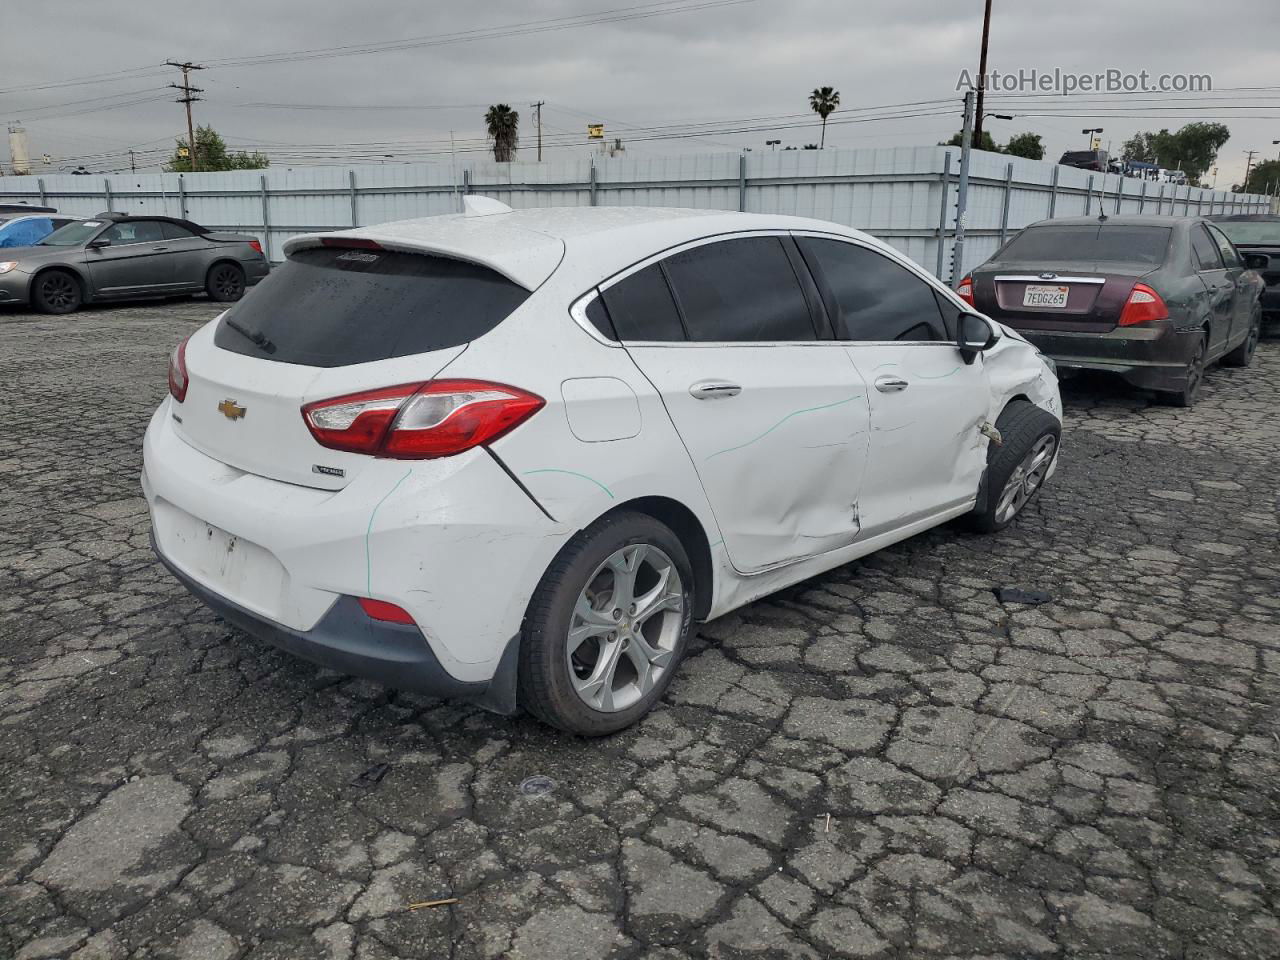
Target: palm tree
x: 503, y: 124
x: 823, y: 101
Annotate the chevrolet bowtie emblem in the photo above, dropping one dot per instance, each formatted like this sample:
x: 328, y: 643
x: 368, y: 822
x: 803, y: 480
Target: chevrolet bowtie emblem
x: 231, y: 410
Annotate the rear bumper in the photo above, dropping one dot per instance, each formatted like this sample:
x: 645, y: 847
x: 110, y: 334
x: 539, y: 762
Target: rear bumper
x: 348, y: 641
x: 255, y: 270
x: 1150, y: 357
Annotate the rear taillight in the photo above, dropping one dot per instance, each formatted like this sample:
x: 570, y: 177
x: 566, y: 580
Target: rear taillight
x: 382, y: 610
x: 178, y: 379
x: 255, y: 246
x: 1144, y: 304
x: 965, y: 290
x: 420, y: 421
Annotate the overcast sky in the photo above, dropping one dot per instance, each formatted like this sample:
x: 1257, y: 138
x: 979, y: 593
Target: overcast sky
x: 756, y: 59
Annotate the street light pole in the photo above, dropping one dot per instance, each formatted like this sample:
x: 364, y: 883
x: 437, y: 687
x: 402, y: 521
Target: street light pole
x: 982, y: 75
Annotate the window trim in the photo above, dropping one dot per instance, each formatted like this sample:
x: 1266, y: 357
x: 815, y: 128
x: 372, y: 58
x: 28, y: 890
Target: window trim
x: 578, y: 308
x: 903, y: 261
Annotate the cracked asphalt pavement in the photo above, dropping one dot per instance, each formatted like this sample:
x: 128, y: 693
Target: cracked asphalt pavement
x: 880, y: 762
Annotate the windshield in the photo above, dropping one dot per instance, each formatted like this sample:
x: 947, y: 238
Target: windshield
x: 1251, y: 232
x: 73, y: 234
x: 1096, y: 243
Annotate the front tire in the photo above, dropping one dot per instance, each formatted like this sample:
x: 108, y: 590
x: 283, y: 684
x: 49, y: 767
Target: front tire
x: 607, y: 626
x: 1016, y: 470
x: 56, y: 291
x: 1242, y: 355
x: 225, y: 282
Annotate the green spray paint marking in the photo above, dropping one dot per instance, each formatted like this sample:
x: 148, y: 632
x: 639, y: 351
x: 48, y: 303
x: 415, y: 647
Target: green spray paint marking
x: 941, y: 376
x: 570, y: 473
x: 825, y: 406
x: 368, y: 556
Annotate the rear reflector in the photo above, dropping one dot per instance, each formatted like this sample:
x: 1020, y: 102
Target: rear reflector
x: 1143, y: 305
x: 420, y: 421
x: 381, y: 610
x: 178, y: 378
x: 965, y: 290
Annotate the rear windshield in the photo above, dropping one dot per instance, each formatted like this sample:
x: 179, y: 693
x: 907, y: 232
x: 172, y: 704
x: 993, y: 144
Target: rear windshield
x: 332, y: 307
x: 1251, y: 232
x: 1098, y: 243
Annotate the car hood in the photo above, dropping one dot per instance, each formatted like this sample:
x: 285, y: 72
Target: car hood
x: 29, y: 257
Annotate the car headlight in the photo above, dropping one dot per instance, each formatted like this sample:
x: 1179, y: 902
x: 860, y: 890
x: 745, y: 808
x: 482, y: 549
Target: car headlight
x: 7, y: 265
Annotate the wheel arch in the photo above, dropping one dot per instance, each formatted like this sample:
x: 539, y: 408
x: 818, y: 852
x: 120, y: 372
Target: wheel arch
x: 86, y: 292
x: 684, y: 524
x: 218, y: 261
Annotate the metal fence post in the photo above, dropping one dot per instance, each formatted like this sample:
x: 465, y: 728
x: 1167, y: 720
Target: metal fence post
x: 106, y: 192
x: 742, y: 183
x: 266, y: 215
x: 466, y: 179
x: 1008, y: 192
x: 1119, y: 194
x: 1053, y: 193
x: 942, y: 212
x: 1142, y: 197
x: 43, y: 199
x: 1088, y: 195
x: 182, y: 197
x: 351, y: 180
x: 1160, y: 201
x: 593, y: 182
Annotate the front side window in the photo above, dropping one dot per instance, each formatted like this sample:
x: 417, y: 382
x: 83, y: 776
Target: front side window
x: 877, y: 300
x: 740, y: 290
x: 133, y: 231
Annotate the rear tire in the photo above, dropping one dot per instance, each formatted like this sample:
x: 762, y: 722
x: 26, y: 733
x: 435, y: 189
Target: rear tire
x: 1242, y: 355
x: 607, y: 626
x: 1017, y: 469
x: 56, y: 291
x: 225, y: 282
x: 1193, y: 378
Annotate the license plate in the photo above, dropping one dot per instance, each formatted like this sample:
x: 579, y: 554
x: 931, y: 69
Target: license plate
x: 1044, y: 295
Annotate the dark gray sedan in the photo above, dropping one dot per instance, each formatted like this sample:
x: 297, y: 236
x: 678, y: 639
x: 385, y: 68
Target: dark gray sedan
x: 1153, y: 299
x: 119, y: 257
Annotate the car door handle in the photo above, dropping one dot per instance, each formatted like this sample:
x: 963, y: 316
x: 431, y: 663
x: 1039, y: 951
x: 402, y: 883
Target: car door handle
x: 714, y: 390
x: 891, y: 384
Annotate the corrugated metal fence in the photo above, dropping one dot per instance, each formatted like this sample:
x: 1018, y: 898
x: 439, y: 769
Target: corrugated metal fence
x: 906, y: 196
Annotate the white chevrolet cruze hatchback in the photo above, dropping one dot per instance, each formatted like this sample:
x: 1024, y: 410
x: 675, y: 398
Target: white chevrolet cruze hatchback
x: 514, y: 456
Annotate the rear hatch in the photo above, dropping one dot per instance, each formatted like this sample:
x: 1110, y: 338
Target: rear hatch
x: 332, y: 320
x: 1068, y: 277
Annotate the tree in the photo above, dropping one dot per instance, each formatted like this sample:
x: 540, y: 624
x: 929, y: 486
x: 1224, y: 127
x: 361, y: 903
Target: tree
x: 503, y: 125
x: 1263, y: 177
x: 211, y: 154
x: 1025, y: 145
x: 1191, y: 149
x: 823, y: 102
x: 988, y: 143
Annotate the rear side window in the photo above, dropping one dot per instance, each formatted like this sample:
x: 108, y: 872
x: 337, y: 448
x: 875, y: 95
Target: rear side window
x: 742, y: 290
x: 332, y: 307
x: 641, y: 307
x: 174, y: 232
x: 877, y: 299
x: 1204, y: 250
x: 1110, y: 244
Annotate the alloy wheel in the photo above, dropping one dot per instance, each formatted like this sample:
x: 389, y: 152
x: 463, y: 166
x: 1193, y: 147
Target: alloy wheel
x: 1026, y: 478
x: 1195, y: 369
x: 625, y: 627
x: 58, y: 291
x: 227, y: 282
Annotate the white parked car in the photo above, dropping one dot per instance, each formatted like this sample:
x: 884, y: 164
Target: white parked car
x: 516, y: 455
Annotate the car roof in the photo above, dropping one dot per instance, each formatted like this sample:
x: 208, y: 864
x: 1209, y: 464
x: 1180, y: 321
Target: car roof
x: 1263, y: 217
x: 527, y: 245
x: 112, y: 217
x: 25, y: 208
x: 1129, y: 220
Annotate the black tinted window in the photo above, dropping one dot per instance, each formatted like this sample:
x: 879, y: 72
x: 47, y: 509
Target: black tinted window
x: 641, y: 307
x: 876, y: 299
x: 134, y: 231
x: 598, y: 314
x: 1225, y: 247
x: 330, y: 307
x: 740, y: 290
x: 1204, y: 250
x: 1111, y: 244
x: 174, y: 232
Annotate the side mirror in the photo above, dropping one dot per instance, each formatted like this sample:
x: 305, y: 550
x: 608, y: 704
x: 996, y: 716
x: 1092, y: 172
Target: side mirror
x: 974, y: 334
x: 99, y: 244
x: 1257, y: 261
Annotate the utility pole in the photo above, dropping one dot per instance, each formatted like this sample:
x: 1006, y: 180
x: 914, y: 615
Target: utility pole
x: 188, y: 97
x: 1247, y: 167
x: 962, y: 191
x: 982, y: 76
x: 538, y: 115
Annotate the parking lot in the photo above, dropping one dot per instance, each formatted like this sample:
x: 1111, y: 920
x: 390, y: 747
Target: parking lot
x: 885, y: 761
